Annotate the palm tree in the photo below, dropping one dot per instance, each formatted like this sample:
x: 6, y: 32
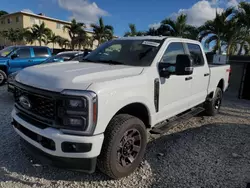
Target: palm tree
x: 178, y: 28
x: 4, y: 34
x: 73, y: 30
x: 243, y: 22
x: 102, y: 33
x: 53, y: 38
x: 63, y: 42
x: 40, y: 31
x: 29, y: 36
x: 215, y: 30
x: 2, y: 12
x: 133, y: 31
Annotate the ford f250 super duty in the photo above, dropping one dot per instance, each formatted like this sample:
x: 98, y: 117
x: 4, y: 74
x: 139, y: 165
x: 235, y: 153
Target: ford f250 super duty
x: 79, y: 115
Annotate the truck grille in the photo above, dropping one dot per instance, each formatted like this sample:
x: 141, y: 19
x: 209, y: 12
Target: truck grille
x: 42, y: 106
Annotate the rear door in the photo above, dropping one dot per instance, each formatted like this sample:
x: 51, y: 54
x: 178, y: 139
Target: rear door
x: 175, y: 91
x: 200, y: 74
x: 40, y: 54
x: 23, y: 59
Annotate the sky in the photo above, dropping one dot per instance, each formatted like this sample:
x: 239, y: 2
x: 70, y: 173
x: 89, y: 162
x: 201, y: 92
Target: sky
x: 119, y: 13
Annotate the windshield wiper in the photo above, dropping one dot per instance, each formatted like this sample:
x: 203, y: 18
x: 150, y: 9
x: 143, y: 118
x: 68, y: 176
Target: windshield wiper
x: 111, y: 62
x: 87, y: 60
x: 103, y: 61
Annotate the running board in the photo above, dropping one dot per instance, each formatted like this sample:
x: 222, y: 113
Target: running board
x: 164, y: 127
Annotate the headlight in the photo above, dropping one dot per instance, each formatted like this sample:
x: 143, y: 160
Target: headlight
x: 11, y: 77
x: 78, y: 112
x: 77, y: 103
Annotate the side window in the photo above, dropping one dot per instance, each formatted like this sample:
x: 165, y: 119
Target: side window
x: 196, y: 54
x: 41, y: 52
x: 174, y: 49
x: 23, y: 53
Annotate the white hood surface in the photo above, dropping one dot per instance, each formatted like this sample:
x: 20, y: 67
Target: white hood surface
x: 73, y: 75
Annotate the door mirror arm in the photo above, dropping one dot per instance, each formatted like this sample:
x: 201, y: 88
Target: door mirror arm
x: 13, y: 56
x: 164, y: 70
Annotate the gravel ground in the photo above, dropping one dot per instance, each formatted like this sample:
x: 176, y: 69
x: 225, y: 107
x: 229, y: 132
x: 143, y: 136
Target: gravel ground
x: 203, y: 152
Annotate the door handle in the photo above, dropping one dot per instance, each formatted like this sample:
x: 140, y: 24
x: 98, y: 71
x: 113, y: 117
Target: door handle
x: 30, y: 61
x: 206, y: 74
x: 189, y: 78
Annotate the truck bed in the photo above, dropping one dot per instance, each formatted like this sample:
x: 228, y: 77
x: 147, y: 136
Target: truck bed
x: 217, y: 73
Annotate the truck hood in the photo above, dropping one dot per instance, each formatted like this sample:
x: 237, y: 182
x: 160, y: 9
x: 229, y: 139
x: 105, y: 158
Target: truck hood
x: 73, y: 75
x: 3, y: 59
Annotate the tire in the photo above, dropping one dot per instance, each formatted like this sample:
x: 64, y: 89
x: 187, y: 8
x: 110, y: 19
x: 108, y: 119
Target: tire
x: 212, y: 107
x: 3, y: 77
x: 123, y: 131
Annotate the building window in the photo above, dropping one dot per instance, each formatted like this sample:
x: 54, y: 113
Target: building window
x: 59, y: 26
x: 2, y: 22
x: 37, y: 21
x: 9, y: 20
x: 17, y: 19
x: 32, y: 20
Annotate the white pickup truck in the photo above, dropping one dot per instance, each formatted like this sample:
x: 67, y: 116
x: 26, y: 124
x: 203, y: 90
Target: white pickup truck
x: 79, y: 115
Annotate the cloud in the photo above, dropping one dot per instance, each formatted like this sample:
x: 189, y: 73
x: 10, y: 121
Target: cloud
x: 83, y: 10
x: 232, y: 3
x: 28, y: 11
x: 199, y: 13
x: 155, y: 25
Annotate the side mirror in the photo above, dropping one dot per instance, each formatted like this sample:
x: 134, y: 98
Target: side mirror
x: 184, y: 65
x: 14, y: 56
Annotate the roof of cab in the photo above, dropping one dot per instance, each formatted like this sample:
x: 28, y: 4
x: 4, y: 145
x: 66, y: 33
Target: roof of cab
x: 155, y: 38
x: 143, y: 38
x: 22, y: 46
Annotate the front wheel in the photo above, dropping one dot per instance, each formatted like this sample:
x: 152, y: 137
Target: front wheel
x: 125, y: 141
x: 213, y: 107
x: 3, y: 77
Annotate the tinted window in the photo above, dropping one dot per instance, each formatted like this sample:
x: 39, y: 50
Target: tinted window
x: 196, y: 54
x: 172, y: 51
x: 23, y: 53
x: 41, y: 52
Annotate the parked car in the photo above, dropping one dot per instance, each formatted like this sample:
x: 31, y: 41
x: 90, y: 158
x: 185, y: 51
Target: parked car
x: 81, y: 56
x: 63, y: 56
x: 60, y: 57
x: 79, y: 113
x: 15, y: 58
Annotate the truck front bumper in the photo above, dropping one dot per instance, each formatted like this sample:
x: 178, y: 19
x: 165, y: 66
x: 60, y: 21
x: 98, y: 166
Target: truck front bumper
x: 51, y: 146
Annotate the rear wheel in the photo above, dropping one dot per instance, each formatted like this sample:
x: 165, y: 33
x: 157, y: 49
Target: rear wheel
x: 3, y: 77
x: 124, y: 146
x: 213, y: 107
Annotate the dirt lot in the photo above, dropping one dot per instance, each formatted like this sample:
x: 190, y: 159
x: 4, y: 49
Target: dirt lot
x: 203, y: 152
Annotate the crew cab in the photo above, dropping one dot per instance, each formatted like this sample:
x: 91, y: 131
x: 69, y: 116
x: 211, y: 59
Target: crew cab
x: 79, y: 115
x: 15, y: 58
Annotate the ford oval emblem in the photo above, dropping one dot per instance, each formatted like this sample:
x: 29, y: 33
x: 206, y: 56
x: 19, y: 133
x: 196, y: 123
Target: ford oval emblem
x: 24, y: 101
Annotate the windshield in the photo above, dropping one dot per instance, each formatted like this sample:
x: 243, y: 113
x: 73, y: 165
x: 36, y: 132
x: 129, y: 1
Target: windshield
x: 126, y: 52
x: 6, y: 51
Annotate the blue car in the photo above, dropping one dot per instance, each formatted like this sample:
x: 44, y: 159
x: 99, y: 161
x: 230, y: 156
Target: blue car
x: 15, y: 58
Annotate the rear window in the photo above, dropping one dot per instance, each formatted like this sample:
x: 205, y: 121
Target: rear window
x: 41, y: 52
x: 196, y: 54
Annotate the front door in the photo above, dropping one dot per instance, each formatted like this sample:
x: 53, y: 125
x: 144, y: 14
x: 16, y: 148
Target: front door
x: 175, y: 91
x: 23, y: 59
x: 201, y: 75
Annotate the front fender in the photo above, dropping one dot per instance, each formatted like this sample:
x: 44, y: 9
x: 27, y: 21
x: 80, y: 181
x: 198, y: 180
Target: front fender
x: 108, y: 107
